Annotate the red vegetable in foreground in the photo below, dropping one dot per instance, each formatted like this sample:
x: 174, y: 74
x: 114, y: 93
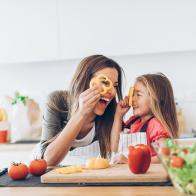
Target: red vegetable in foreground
x: 139, y: 158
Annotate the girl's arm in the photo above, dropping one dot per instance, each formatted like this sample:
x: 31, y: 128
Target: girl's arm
x: 58, y: 148
x: 121, y: 109
x: 155, y: 159
x: 115, y: 133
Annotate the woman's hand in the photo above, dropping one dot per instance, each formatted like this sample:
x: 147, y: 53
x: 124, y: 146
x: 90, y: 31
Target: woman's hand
x: 122, y: 107
x: 88, y: 100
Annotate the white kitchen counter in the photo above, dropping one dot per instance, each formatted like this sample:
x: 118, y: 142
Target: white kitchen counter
x: 21, y: 152
x: 16, y: 147
x: 186, y: 141
x: 15, y: 153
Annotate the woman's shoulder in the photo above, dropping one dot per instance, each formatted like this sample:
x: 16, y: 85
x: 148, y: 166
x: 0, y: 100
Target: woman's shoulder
x: 58, y: 94
x: 58, y: 99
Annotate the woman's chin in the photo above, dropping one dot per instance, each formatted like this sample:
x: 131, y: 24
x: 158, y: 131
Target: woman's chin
x: 100, y: 108
x: 99, y: 112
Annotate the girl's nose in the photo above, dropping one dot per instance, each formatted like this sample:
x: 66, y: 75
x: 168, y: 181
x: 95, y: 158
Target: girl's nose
x: 133, y: 98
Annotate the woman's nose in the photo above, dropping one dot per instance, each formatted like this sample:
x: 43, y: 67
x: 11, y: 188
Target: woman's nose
x: 111, y: 91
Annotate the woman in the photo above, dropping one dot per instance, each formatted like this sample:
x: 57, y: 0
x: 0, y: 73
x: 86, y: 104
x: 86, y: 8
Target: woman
x: 81, y: 116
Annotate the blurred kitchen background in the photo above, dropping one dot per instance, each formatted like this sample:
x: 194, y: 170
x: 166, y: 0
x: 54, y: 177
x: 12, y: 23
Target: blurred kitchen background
x: 42, y: 41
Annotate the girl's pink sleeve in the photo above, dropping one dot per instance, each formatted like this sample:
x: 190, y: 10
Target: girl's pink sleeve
x: 155, y: 131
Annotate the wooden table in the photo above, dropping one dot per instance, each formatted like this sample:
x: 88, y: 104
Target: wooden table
x: 90, y: 191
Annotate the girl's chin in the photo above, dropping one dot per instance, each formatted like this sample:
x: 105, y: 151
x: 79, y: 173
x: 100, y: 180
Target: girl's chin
x: 135, y: 113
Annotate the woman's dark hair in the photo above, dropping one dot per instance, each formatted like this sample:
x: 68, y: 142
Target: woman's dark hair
x: 80, y: 82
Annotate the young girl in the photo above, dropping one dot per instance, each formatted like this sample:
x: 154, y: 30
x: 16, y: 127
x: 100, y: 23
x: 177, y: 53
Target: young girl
x: 154, y: 112
x: 81, y: 116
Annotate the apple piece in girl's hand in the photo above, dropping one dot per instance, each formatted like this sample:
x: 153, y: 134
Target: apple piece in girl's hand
x: 139, y: 158
x: 130, y: 95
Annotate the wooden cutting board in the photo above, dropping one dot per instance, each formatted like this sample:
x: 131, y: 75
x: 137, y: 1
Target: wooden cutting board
x: 113, y: 174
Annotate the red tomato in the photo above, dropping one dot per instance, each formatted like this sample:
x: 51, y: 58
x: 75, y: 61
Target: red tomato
x: 18, y: 171
x: 165, y: 151
x: 177, y: 162
x: 37, y: 167
x: 185, y: 150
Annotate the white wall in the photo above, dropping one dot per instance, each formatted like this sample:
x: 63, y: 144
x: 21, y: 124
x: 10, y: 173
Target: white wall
x: 143, y: 36
x: 28, y: 30
x: 34, y: 30
x: 126, y: 27
x: 38, y: 79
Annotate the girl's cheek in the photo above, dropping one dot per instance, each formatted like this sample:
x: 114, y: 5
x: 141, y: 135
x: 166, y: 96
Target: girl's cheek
x: 135, y: 98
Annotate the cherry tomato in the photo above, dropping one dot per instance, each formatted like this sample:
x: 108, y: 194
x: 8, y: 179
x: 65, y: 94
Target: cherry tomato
x: 165, y: 151
x: 177, y: 162
x: 18, y: 171
x: 37, y: 167
x: 185, y: 150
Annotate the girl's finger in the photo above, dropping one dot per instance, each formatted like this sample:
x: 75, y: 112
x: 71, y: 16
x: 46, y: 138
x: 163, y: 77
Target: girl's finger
x: 124, y: 104
x: 127, y: 99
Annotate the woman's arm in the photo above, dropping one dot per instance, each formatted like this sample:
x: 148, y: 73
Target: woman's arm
x: 59, y: 147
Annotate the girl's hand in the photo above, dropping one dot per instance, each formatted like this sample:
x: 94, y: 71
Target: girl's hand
x: 122, y: 107
x: 119, y: 158
x: 88, y: 100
